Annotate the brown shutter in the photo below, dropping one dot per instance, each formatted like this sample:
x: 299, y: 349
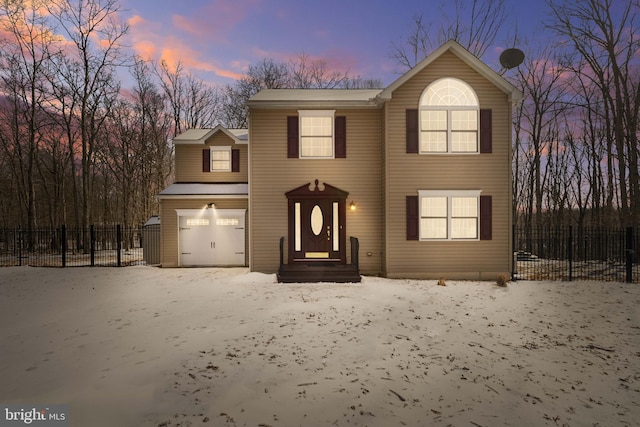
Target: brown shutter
x: 412, y: 131
x: 235, y: 160
x: 413, y: 218
x: 341, y: 137
x: 292, y: 137
x: 485, y: 218
x: 485, y: 131
x: 206, y: 160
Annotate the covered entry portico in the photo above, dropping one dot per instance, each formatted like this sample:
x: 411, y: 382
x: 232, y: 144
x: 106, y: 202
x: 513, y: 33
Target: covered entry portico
x: 317, y: 236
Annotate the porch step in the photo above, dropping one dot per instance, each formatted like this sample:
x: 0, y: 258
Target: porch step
x: 313, y: 273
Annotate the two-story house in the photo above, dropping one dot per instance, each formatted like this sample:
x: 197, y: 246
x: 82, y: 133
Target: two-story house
x: 409, y: 181
x: 425, y: 164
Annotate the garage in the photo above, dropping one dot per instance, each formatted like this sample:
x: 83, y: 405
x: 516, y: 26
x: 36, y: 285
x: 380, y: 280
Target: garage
x: 211, y: 237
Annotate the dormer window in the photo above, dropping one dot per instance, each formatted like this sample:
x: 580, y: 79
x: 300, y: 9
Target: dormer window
x: 220, y: 159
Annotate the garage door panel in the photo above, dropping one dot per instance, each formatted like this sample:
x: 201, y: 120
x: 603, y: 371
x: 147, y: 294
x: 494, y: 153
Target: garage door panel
x: 212, y: 238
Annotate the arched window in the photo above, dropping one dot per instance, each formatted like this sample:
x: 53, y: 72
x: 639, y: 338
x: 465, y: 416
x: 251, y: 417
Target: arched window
x: 449, y: 112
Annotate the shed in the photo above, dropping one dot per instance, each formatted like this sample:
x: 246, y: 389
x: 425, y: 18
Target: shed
x: 151, y: 241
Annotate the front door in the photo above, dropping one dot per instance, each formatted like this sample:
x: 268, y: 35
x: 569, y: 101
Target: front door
x: 317, y: 224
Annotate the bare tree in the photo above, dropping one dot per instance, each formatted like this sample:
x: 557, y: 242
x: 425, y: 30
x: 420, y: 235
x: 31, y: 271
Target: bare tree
x: 24, y: 62
x: 475, y: 25
x: 308, y: 73
x: 192, y: 102
x: 361, y: 83
x: 267, y: 74
x: 303, y: 72
x: 605, y: 35
x: 154, y: 133
x: 540, y: 81
x: 88, y: 74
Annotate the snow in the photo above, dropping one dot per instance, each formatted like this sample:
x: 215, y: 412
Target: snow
x: 144, y: 346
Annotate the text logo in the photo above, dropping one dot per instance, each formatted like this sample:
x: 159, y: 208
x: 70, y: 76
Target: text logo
x: 34, y: 415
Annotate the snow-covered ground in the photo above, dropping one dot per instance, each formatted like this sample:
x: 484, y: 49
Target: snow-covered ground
x: 143, y: 346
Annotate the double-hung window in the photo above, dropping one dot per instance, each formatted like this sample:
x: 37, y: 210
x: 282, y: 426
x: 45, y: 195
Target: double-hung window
x: 449, y: 116
x: 449, y: 215
x: 220, y: 159
x: 316, y: 133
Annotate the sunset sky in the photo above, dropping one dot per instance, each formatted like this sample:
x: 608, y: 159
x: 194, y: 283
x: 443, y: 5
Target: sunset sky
x: 218, y: 39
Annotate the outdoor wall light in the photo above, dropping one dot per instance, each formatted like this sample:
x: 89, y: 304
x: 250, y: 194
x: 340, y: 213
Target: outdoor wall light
x: 211, y: 205
x: 352, y: 205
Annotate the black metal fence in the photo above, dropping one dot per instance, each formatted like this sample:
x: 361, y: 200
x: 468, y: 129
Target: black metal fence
x: 63, y: 246
x: 571, y: 253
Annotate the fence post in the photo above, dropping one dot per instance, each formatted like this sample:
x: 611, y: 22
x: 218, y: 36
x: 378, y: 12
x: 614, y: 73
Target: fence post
x: 92, y: 244
x: 570, y: 252
x: 119, y: 244
x: 20, y: 246
x: 63, y: 245
x: 629, y: 252
x: 514, y: 260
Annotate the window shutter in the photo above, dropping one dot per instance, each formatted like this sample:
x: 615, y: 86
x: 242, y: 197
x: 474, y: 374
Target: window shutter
x: 235, y: 160
x: 206, y: 160
x: 485, y: 131
x: 413, y: 218
x: 485, y: 217
x: 412, y: 131
x: 292, y: 137
x: 341, y: 137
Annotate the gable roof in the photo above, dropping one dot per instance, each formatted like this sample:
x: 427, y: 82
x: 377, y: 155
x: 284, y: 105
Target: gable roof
x: 314, y: 98
x: 375, y: 98
x: 467, y: 57
x: 200, y: 136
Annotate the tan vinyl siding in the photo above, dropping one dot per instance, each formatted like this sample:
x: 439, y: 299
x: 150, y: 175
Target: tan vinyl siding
x: 408, y: 173
x: 189, y: 161
x: 383, y: 187
x: 169, y: 224
x: 273, y: 174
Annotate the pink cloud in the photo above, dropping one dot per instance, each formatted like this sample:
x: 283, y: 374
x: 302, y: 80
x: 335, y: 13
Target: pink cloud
x: 174, y: 51
x: 135, y: 20
x: 151, y: 41
x: 217, y: 20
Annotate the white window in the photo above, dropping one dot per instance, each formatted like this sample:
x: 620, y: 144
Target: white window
x: 197, y: 222
x: 316, y: 133
x: 227, y: 221
x: 449, y: 116
x: 220, y: 159
x: 449, y: 215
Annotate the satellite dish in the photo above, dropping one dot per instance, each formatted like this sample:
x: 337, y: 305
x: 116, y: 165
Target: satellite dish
x: 511, y: 58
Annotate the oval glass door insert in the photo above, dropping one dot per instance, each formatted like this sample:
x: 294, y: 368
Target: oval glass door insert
x: 316, y: 220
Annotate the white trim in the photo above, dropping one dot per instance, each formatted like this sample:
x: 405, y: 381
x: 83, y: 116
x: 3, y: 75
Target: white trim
x: 336, y: 227
x: 297, y: 228
x: 200, y: 136
x: 316, y: 113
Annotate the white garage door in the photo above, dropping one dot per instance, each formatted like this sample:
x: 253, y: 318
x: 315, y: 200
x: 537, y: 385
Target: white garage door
x: 211, y: 237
